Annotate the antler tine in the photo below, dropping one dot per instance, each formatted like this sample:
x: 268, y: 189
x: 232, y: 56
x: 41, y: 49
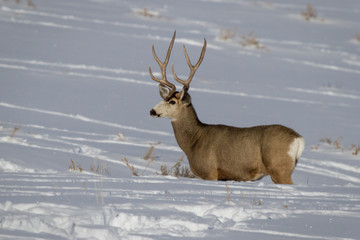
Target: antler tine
x: 163, y: 65
x: 193, y: 68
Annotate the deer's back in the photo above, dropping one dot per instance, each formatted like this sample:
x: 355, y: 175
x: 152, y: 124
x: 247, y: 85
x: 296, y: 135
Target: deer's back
x: 239, y: 153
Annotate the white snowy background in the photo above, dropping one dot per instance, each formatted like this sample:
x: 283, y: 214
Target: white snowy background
x: 74, y: 87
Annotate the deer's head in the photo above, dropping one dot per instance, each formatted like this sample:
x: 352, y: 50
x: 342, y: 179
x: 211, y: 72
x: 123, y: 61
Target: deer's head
x: 175, y: 103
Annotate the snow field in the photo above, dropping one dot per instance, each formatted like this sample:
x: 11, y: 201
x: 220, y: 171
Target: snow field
x: 74, y: 87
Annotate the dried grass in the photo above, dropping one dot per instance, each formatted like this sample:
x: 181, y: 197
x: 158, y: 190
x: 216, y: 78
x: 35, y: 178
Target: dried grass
x: 337, y: 144
x: 326, y: 140
x: 103, y: 169
x: 75, y: 167
x: 251, y: 41
x: 309, y: 13
x: 144, y: 12
x: 164, y: 170
x: 177, y: 170
x: 228, y: 197
x: 357, y: 37
x: 134, y: 171
x: 256, y: 201
x: 226, y: 34
x: 150, y: 153
x: 99, y: 186
x: 29, y: 3
x: 120, y: 137
x: 14, y: 131
x: 354, y: 148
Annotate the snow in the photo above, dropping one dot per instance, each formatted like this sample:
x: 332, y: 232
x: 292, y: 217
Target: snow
x: 75, y: 97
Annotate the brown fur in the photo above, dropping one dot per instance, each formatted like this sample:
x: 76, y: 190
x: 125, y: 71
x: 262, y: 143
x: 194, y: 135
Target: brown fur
x: 219, y: 152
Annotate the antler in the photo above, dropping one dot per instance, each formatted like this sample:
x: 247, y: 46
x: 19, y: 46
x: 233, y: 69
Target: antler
x: 163, y: 65
x: 193, y: 68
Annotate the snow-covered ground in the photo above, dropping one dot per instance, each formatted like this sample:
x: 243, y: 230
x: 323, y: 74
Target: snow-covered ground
x: 75, y: 96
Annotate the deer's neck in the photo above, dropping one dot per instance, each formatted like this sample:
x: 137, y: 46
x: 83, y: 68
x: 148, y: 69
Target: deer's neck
x: 187, y: 129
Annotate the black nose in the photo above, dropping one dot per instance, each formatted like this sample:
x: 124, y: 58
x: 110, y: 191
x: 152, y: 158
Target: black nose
x: 152, y: 112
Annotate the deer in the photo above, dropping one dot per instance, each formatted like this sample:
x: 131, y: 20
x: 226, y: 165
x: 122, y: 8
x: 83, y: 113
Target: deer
x: 220, y: 152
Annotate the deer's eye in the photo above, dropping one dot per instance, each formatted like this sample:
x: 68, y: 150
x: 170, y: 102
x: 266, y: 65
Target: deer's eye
x: 172, y: 102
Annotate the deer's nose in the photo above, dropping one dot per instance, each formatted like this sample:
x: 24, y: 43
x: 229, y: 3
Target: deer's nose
x: 152, y: 112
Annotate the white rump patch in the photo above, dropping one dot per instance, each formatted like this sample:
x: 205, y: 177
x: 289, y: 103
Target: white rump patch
x: 296, y: 148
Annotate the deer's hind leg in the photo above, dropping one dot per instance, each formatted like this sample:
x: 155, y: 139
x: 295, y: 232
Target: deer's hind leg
x: 280, y: 169
x: 278, y: 179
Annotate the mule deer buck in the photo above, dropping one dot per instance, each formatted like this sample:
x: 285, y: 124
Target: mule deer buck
x: 219, y: 152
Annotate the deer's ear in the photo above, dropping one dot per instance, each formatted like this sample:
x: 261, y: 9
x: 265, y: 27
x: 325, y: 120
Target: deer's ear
x: 164, y: 91
x: 185, y: 97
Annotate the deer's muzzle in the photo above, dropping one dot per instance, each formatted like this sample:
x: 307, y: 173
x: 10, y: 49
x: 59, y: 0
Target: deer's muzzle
x: 153, y: 113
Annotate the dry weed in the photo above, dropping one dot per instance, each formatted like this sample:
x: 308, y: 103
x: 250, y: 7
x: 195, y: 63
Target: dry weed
x: 177, y: 170
x: 14, y: 131
x: 177, y: 165
x: 150, y: 153
x: 315, y: 147
x: 355, y: 149
x: 309, y: 13
x: 326, y: 140
x: 149, y: 157
x: 337, y: 144
x: 251, y: 41
x: 226, y: 34
x: 227, y: 194
x: 186, y: 172
x: 134, y: 171
x: 99, y: 186
x: 357, y: 37
x: 144, y: 12
x: 164, y: 170
x: 31, y: 4
x: 120, y: 137
x: 256, y: 201
x: 148, y: 164
x: 75, y: 167
x: 103, y: 169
